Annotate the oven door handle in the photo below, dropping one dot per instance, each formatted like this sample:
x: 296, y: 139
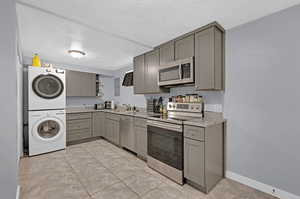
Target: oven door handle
x: 168, y: 126
x: 180, y: 72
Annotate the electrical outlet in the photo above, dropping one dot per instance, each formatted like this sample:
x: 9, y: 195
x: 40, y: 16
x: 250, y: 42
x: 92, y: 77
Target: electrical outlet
x: 213, y: 107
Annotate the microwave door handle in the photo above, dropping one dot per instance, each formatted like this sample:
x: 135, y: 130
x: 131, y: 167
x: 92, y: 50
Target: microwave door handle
x: 179, y: 72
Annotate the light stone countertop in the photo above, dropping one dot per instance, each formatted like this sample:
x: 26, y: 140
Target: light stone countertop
x: 146, y: 115
x: 210, y: 118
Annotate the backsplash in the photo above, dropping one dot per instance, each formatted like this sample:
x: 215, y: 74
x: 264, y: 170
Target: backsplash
x: 81, y: 101
x: 214, y: 100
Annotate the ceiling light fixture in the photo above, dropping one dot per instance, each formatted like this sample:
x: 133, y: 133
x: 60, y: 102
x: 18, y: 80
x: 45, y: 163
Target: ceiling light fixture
x: 76, y: 53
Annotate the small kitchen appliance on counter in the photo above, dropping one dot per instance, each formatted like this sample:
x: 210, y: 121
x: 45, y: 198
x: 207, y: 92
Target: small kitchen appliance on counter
x: 176, y: 72
x: 99, y: 106
x: 109, y: 105
x: 154, y: 105
x: 165, y: 138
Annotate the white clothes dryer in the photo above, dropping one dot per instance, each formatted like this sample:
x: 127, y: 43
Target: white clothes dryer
x: 47, y: 131
x: 46, y: 88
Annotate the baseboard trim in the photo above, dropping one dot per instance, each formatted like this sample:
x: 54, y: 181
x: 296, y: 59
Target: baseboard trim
x: 18, y: 192
x: 261, y: 186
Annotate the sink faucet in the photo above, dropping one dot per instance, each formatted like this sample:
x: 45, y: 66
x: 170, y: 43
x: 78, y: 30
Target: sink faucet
x: 128, y: 107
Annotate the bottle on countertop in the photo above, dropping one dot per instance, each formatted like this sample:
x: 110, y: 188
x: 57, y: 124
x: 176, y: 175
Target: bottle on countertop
x: 36, y: 61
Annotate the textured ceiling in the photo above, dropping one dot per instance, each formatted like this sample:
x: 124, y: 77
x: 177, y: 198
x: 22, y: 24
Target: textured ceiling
x: 113, y: 32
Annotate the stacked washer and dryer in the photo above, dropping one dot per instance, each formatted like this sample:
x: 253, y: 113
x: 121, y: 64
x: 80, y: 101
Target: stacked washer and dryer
x: 46, y: 110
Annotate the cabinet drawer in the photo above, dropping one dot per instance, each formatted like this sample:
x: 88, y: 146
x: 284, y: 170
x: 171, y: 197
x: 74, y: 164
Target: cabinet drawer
x: 79, y: 124
x: 112, y: 116
x: 77, y: 116
x: 73, y: 135
x: 140, y: 122
x: 196, y: 133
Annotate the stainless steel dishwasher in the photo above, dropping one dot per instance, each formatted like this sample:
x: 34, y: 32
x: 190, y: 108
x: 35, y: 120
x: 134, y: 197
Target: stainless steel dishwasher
x: 127, y: 133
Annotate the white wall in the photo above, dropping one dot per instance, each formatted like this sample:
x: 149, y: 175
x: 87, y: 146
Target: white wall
x: 19, y: 68
x: 262, y: 100
x: 126, y: 93
x: 8, y: 100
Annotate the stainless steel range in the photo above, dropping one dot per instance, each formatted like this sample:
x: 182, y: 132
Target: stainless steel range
x: 165, y: 139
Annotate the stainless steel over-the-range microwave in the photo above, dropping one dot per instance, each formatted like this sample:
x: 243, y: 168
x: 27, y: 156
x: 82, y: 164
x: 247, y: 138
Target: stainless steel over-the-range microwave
x: 177, y: 72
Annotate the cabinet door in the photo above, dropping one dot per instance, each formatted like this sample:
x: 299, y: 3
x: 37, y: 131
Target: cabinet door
x: 194, y: 161
x: 151, y: 73
x: 92, y: 87
x: 88, y: 84
x: 138, y: 74
x: 116, y: 132
x: 127, y: 133
x: 98, y: 124
x: 209, y: 59
x: 184, y: 48
x: 73, y: 83
x: 141, y: 141
x: 167, y: 53
x: 80, y: 83
x: 108, y: 129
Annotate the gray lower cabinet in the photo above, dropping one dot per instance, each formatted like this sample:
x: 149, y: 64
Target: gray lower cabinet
x: 140, y: 130
x: 209, y: 59
x: 194, y: 161
x: 112, y: 128
x: 203, y: 156
x: 98, y: 124
x: 166, y: 53
x: 127, y: 133
x: 184, y: 47
x: 139, y: 74
x: 80, y: 84
x: 79, y: 126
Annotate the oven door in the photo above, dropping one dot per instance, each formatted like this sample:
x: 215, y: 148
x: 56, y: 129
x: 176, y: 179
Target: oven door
x: 165, y: 143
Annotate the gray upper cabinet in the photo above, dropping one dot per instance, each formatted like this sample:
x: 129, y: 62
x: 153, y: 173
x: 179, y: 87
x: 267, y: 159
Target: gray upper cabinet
x: 209, y: 64
x: 146, y: 73
x: 184, y: 47
x: 138, y: 74
x: 80, y: 83
x: 167, y: 53
x: 206, y: 45
x: 151, y: 72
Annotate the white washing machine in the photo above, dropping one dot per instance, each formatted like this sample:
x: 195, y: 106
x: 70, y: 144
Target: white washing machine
x: 46, y: 131
x: 46, y: 88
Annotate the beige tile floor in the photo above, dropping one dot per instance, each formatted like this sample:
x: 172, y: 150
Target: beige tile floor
x: 100, y: 170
